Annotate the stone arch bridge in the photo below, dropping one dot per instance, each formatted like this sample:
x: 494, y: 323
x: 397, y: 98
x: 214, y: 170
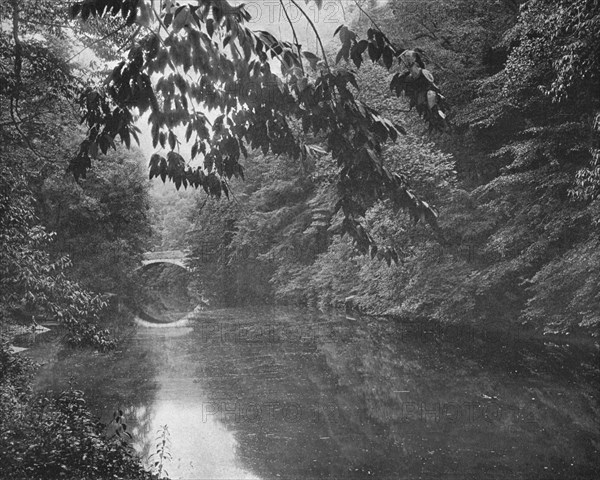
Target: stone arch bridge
x: 174, y: 257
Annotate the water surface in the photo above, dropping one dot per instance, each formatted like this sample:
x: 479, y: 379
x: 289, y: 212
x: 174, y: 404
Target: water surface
x: 275, y: 393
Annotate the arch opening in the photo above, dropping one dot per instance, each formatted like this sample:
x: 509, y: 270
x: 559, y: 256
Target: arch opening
x: 166, y: 291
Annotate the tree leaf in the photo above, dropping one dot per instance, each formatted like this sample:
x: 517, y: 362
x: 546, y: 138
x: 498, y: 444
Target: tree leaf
x: 388, y: 57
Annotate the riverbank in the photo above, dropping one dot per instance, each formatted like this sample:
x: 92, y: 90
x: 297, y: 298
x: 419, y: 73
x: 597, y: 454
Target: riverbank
x: 515, y: 330
x: 507, y: 331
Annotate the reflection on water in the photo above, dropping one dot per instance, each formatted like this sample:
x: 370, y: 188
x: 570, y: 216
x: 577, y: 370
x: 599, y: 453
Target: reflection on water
x: 287, y: 394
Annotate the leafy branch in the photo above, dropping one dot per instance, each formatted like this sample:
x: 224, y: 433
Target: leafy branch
x: 162, y: 451
x: 256, y: 105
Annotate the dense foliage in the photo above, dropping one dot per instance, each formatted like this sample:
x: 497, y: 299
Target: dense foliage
x: 513, y: 178
x: 33, y: 284
x: 56, y: 436
x: 170, y: 212
x: 53, y: 233
x: 520, y: 234
x: 102, y: 222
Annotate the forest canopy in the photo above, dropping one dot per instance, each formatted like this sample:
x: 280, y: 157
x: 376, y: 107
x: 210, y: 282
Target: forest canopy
x: 511, y: 163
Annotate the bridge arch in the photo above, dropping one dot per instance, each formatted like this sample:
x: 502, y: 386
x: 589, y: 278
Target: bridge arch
x: 166, y: 287
x: 172, y: 257
x: 170, y: 261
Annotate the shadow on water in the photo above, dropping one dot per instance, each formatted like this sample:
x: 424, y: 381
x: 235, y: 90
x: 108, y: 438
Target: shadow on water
x: 284, y: 393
